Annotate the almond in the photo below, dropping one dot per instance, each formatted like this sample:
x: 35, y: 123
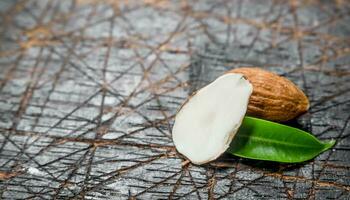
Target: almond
x: 274, y: 97
x: 207, y: 122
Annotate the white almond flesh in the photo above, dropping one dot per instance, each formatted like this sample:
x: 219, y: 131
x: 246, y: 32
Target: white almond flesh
x: 206, y: 124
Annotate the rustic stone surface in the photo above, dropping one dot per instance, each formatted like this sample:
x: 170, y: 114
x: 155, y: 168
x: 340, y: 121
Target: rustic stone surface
x: 89, y: 89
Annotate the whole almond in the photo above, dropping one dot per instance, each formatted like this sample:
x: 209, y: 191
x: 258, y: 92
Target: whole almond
x: 274, y: 97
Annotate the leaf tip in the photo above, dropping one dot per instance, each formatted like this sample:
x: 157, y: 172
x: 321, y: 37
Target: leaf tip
x: 328, y: 144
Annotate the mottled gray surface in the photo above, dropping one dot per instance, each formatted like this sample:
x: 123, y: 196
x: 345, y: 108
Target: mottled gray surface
x: 88, y: 93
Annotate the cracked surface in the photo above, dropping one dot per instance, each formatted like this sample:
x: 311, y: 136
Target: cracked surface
x: 89, y: 91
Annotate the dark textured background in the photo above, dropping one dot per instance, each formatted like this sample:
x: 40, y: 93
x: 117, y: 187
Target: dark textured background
x: 89, y: 89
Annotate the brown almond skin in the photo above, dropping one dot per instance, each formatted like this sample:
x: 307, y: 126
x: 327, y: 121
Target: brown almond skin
x: 274, y: 97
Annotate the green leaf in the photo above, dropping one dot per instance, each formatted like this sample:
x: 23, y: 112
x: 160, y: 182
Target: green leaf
x: 264, y: 140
